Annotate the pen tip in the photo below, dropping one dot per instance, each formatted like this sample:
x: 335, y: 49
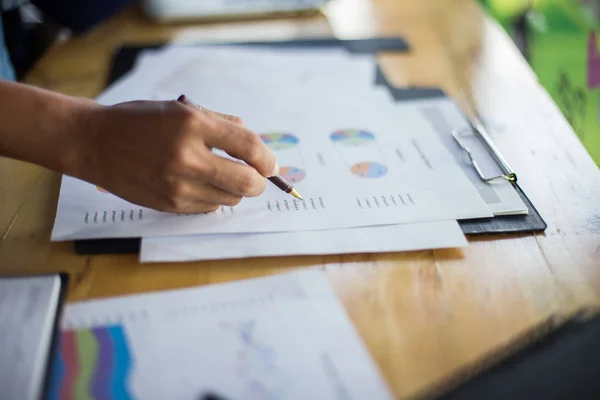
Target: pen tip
x: 296, y: 194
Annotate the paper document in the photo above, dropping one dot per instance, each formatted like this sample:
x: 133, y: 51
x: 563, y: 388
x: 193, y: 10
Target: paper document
x: 280, y: 337
x: 378, y: 239
x: 28, y: 308
x: 355, y: 158
x: 179, y: 69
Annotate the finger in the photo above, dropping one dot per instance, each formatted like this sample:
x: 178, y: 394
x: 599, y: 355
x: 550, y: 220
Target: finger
x: 231, y: 118
x: 244, y: 145
x: 207, y: 193
x: 195, y: 207
x: 227, y: 117
x: 232, y: 177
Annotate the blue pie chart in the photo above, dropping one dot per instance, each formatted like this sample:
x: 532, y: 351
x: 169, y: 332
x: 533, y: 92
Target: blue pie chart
x: 279, y: 141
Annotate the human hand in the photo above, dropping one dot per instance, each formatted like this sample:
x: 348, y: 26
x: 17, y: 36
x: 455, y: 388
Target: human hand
x: 158, y: 155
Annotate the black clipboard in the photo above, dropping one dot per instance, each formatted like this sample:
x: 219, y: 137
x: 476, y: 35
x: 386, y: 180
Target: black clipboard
x: 125, y: 57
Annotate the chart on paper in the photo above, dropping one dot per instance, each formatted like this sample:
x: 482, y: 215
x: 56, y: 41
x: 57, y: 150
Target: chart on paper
x: 349, y: 178
x: 356, y: 159
x: 285, y: 147
x: 93, y: 363
x: 280, y: 337
x: 87, y: 212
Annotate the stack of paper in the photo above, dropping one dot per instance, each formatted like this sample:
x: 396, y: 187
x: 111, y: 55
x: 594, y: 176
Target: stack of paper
x: 376, y: 176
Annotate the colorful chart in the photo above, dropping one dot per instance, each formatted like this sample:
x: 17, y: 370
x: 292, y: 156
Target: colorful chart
x: 292, y: 174
x: 92, y: 364
x: 369, y: 170
x: 352, y: 137
x: 279, y: 141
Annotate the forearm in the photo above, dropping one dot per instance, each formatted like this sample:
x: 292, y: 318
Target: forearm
x: 42, y: 127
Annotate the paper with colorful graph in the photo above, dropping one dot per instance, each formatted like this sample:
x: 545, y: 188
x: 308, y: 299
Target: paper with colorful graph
x: 356, y: 160
x: 279, y: 337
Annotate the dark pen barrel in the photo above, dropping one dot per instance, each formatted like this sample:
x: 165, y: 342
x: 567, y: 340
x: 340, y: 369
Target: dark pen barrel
x: 281, y: 183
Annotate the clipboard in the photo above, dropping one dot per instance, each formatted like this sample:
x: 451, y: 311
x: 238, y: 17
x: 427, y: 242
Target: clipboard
x: 532, y: 222
x: 125, y: 57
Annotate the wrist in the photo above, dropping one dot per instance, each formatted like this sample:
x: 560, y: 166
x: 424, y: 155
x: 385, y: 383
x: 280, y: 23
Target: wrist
x: 76, y: 155
x: 45, y: 128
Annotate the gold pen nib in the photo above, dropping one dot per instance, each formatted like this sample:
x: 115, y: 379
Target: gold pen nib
x: 296, y: 194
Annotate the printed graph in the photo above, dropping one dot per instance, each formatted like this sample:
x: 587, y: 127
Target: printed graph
x: 285, y: 144
x: 352, y: 137
x: 279, y: 141
x: 293, y: 174
x: 369, y: 169
x: 92, y: 364
x: 257, y: 363
x: 360, y: 152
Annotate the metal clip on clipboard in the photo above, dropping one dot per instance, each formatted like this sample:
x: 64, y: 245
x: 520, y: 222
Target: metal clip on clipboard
x: 478, y: 129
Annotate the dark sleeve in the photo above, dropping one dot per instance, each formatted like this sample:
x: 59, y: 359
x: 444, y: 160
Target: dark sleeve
x: 80, y: 15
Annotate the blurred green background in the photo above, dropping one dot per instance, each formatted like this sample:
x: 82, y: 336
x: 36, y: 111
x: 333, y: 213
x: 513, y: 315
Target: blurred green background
x: 558, y: 39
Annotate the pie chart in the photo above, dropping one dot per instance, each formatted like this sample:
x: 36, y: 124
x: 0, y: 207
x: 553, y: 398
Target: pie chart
x: 369, y: 170
x: 292, y: 174
x: 279, y: 141
x: 352, y: 137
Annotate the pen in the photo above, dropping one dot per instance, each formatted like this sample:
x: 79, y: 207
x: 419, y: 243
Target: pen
x: 278, y: 180
x: 285, y: 185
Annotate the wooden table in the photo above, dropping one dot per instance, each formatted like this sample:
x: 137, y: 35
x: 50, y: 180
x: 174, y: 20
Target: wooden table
x: 424, y: 315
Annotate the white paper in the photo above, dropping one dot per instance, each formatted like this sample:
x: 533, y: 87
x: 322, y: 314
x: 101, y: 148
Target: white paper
x: 400, y: 174
x: 380, y: 239
x: 334, y: 197
x: 188, y: 70
x: 28, y: 308
x: 167, y: 73
x: 85, y: 212
x: 285, y: 336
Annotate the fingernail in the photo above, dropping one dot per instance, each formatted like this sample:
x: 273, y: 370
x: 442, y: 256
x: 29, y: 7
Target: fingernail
x: 275, y: 170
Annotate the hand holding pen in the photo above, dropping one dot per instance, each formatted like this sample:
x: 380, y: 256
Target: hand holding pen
x: 158, y: 154
x: 277, y: 179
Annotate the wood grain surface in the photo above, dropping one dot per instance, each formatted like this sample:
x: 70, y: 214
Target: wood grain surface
x: 423, y: 315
